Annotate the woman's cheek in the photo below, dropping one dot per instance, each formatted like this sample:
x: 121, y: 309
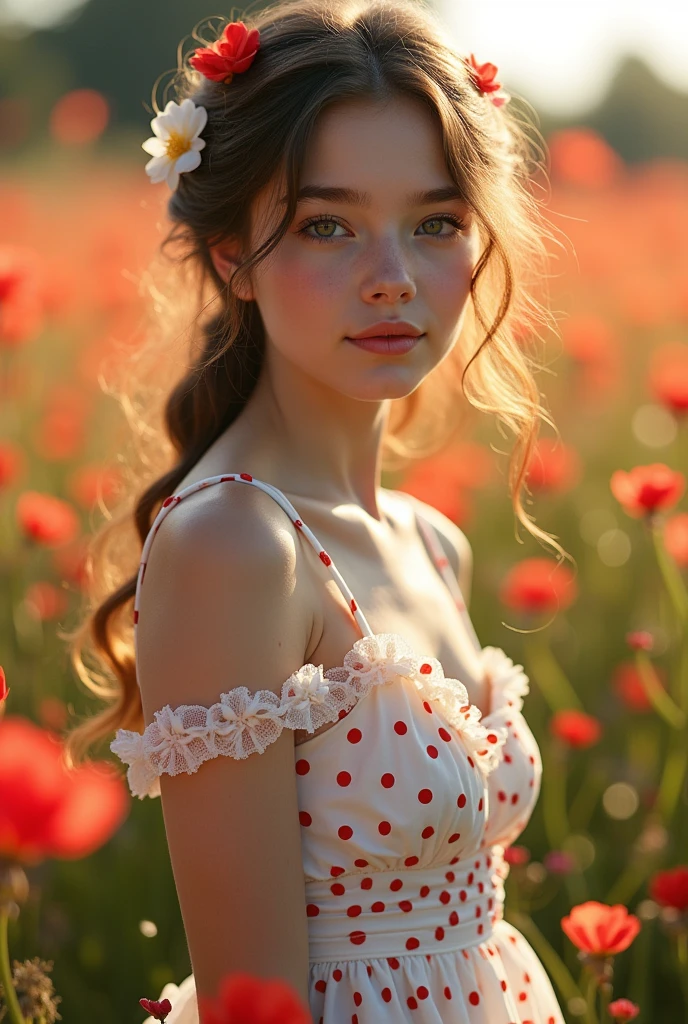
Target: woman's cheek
x: 307, y: 284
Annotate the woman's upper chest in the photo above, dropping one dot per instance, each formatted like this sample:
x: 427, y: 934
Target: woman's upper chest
x: 398, y: 589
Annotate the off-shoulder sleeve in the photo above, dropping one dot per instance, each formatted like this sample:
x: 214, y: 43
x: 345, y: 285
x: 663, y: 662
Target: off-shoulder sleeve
x: 240, y: 723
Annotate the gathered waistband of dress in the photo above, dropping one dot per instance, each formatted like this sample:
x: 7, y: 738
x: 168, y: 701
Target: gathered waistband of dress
x: 434, y: 909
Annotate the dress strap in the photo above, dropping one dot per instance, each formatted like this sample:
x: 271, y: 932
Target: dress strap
x: 246, y: 478
x: 434, y: 545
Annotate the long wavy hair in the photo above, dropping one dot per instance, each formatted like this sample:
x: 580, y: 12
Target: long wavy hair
x: 313, y: 53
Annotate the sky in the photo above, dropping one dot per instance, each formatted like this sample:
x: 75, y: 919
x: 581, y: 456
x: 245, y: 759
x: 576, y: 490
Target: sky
x: 559, y: 54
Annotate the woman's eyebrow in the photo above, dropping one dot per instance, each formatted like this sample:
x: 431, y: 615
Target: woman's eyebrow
x: 352, y: 197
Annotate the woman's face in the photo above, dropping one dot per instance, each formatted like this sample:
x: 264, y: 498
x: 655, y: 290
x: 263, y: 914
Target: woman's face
x: 391, y: 256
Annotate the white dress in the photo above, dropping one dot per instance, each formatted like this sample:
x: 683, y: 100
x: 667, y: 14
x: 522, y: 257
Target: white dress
x: 405, y: 805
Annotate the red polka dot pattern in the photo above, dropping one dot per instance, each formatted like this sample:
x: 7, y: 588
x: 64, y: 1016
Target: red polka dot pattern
x: 386, y: 807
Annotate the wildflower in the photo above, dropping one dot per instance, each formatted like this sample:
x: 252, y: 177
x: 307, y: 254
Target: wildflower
x: 538, y: 585
x: 247, y: 997
x: 670, y: 888
x: 640, y: 640
x: 575, y: 728
x: 623, y: 1009
x: 600, y: 930
x: 516, y: 855
x: 157, y: 1009
x: 45, y: 519
x: 647, y: 489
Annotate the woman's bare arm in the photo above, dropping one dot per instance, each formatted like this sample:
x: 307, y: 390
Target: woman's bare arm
x: 217, y: 611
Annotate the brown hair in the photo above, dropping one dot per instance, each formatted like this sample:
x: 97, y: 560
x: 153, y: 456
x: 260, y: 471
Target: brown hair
x: 312, y: 53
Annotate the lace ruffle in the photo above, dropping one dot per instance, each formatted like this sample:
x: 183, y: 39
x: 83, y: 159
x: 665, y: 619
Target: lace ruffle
x: 509, y: 683
x: 243, y: 723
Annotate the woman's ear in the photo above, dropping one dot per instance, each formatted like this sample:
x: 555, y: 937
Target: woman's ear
x: 225, y: 257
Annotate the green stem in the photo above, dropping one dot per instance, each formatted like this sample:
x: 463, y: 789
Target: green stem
x: 605, y: 999
x: 554, y: 813
x: 682, y: 956
x: 10, y: 994
x: 585, y: 801
x: 670, y: 573
x: 656, y: 694
x: 555, y: 966
x: 673, y: 774
x: 682, y: 674
x: 551, y: 679
x: 591, y: 997
x: 682, y: 949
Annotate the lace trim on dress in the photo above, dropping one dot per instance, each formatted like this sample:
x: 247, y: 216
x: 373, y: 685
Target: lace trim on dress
x: 243, y: 723
x: 509, y: 683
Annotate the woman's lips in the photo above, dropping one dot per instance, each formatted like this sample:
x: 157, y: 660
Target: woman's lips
x: 394, y: 344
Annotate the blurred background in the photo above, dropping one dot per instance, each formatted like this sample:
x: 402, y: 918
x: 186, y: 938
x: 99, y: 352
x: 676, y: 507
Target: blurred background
x: 79, y: 221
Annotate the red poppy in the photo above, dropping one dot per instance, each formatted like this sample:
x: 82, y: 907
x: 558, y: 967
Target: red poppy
x: 248, y: 999
x: 629, y: 688
x: 676, y: 537
x: 90, y: 484
x: 21, y: 310
x: 52, y: 713
x: 668, y: 376
x: 44, y: 601
x: 229, y: 55
x: 670, y: 888
x: 517, y: 855
x: 60, y: 433
x: 623, y: 1009
x: 4, y: 688
x: 79, y: 117
x: 71, y: 562
x: 538, y: 585
x: 46, y: 519
x: 47, y: 810
x: 158, y: 1009
x: 575, y: 728
x: 581, y: 156
x: 12, y: 463
x: 553, y: 466
x: 590, y: 340
x: 647, y: 489
x: 640, y: 640
x: 599, y: 929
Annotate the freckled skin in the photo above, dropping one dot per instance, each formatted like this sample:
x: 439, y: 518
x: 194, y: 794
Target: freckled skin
x: 321, y: 401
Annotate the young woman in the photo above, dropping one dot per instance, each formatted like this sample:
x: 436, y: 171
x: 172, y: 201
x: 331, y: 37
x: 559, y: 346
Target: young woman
x: 341, y: 763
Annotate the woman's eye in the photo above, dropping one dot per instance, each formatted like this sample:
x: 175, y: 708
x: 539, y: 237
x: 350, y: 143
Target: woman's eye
x: 328, y: 222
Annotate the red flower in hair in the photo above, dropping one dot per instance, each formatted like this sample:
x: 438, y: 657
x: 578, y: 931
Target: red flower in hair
x: 483, y: 76
x: 229, y: 55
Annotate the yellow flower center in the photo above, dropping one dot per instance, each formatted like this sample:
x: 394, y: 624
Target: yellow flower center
x: 177, y: 144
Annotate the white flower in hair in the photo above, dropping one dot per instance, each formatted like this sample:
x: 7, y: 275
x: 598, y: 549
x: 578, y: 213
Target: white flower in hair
x: 175, y: 146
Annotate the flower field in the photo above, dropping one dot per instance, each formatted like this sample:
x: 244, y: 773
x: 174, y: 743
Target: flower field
x: 598, y: 882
